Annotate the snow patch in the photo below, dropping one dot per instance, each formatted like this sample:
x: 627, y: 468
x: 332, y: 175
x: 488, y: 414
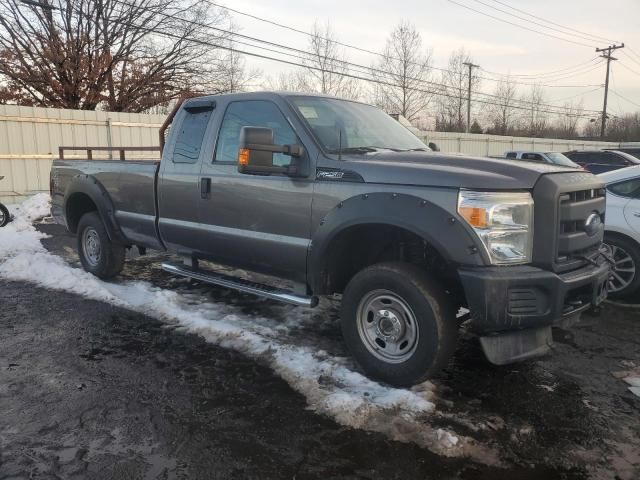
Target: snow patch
x: 329, y: 383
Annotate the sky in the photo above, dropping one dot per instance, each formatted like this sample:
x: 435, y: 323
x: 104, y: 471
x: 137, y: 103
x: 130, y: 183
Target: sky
x: 494, y: 45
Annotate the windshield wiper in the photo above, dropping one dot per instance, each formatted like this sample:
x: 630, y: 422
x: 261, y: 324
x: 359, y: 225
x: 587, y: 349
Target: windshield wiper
x: 366, y: 149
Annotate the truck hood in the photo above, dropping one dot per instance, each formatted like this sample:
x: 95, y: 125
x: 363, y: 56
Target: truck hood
x: 435, y: 169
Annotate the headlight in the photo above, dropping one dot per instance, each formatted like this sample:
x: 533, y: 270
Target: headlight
x: 503, y: 221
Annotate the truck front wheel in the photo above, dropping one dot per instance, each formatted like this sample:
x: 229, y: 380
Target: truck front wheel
x: 98, y: 254
x: 398, y: 323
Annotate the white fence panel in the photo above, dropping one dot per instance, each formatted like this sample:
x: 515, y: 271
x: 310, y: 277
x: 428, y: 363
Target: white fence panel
x: 30, y: 137
x: 496, y: 145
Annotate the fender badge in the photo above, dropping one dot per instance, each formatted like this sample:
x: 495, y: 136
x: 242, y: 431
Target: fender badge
x: 329, y: 174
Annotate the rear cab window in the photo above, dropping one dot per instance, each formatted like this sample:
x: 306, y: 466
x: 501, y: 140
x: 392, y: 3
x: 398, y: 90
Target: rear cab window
x: 191, y: 134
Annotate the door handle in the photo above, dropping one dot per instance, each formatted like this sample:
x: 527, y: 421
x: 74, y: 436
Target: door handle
x: 205, y: 187
x: 636, y: 214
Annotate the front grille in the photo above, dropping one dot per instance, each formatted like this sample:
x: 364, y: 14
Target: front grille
x: 563, y: 203
x: 574, y: 210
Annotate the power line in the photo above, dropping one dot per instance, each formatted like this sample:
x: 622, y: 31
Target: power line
x: 371, y: 52
x: 554, y: 23
x: 624, y: 98
x: 519, y: 26
x: 631, y: 58
x: 572, y: 75
x: 564, y: 99
x: 344, y: 63
x: 560, y: 71
x: 633, y: 51
x: 349, y: 75
x: 532, y: 21
x: 628, y: 68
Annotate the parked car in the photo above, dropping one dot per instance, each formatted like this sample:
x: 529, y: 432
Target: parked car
x: 554, y: 158
x: 340, y: 199
x: 622, y: 230
x: 599, y: 161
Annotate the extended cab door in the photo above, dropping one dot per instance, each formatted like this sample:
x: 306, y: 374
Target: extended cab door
x: 179, y: 178
x: 256, y: 222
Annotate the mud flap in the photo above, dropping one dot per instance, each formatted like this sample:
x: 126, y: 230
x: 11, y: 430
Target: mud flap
x: 511, y: 347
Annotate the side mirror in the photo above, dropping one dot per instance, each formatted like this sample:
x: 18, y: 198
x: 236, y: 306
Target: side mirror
x: 256, y: 149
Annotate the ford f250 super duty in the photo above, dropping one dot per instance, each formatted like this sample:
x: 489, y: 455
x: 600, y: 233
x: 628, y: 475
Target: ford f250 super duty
x: 339, y: 199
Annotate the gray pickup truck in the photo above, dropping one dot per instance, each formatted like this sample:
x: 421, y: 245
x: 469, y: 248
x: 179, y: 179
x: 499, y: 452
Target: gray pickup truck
x: 339, y: 199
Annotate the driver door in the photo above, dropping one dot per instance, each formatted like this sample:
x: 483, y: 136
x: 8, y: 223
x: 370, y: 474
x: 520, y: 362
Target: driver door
x: 256, y: 222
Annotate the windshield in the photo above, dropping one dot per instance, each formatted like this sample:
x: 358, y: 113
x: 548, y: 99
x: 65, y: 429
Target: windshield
x: 354, y: 127
x: 625, y: 155
x: 560, y: 159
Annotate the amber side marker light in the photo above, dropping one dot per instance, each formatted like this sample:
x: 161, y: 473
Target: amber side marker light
x: 243, y: 156
x: 475, y: 216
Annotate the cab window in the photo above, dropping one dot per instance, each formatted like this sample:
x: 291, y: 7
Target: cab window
x: 253, y: 113
x: 189, y: 137
x: 535, y: 157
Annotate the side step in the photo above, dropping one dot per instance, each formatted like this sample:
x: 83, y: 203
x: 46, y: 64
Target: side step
x: 240, y: 284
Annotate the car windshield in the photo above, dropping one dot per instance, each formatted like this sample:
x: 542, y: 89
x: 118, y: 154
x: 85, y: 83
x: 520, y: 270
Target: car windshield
x: 352, y: 127
x: 625, y: 155
x: 560, y: 159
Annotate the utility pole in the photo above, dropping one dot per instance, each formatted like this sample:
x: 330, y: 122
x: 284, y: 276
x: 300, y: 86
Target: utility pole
x: 470, y: 65
x: 608, y: 56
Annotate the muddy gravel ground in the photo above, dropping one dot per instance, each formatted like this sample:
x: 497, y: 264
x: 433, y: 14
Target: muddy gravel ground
x: 90, y: 390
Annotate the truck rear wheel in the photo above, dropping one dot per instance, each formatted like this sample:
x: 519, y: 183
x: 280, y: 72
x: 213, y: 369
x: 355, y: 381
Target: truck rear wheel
x: 98, y: 254
x: 398, y: 323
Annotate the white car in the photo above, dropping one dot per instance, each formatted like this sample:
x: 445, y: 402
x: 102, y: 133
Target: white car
x: 622, y: 230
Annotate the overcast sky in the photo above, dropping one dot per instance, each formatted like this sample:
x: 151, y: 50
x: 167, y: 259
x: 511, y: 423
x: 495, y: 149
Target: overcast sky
x: 496, y: 46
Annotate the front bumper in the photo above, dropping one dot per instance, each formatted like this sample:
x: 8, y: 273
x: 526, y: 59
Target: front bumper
x: 522, y: 297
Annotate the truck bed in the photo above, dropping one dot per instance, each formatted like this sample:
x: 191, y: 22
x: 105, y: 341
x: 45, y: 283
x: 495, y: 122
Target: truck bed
x: 131, y: 186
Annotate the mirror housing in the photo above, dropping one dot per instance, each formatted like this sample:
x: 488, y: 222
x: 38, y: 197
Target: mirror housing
x: 256, y: 149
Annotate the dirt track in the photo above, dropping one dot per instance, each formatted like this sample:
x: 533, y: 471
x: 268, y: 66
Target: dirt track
x: 88, y: 390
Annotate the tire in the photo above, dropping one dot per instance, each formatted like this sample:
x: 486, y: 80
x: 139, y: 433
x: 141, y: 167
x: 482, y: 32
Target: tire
x: 98, y: 254
x: 409, y: 296
x: 626, y: 252
x: 5, y: 216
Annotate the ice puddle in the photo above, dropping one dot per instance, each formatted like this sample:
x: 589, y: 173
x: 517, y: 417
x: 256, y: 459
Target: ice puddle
x: 330, y: 386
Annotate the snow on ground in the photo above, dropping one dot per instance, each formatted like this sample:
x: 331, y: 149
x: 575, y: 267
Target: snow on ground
x: 329, y: 382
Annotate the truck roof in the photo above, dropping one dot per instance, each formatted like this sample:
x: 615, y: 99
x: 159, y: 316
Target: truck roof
x: 270, y: 93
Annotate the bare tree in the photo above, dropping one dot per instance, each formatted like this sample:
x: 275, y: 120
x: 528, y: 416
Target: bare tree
x: 535, y: 119
x: 293, y: 81
x: 567, y: 121
x: 231, y: 72
x: 502, y: 111
x: 402, y: 74
x: 624, y: 128
x: 123, y: 55
x: 326, y: 67
x: 452, y: 104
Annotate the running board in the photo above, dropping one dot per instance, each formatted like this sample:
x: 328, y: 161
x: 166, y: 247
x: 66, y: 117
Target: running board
x: 246, y: 286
